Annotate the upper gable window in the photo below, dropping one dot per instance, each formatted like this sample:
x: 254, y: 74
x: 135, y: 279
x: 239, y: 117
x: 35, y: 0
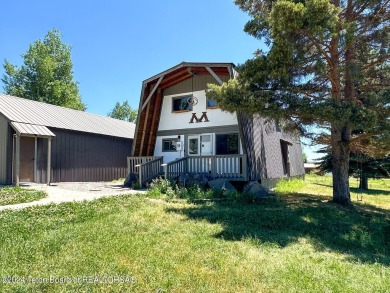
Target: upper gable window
x: 211, y: 103
x: 182, y: 104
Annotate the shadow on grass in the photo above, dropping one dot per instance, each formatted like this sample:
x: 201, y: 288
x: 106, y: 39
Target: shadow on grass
x: 370, y: 191
x: 361, y: 231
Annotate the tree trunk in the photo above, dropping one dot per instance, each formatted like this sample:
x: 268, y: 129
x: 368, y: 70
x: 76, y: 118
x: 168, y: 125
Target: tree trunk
x: 363, y: 184
x: 340, y: 136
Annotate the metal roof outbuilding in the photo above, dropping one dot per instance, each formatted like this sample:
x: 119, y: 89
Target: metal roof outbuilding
x: 41, y: 114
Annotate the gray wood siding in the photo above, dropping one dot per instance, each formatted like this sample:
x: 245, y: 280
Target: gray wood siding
x: 253, y: 144
x: 274, y: 156
x: 261, y: 142
x: 83, y: 157
x: 199, y: 84
x: 6, y: 143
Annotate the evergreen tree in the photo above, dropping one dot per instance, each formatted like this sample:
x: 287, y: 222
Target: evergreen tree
x: 327, y: 64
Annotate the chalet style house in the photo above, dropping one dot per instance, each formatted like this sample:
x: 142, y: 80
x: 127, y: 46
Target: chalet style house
x: 179, y: 130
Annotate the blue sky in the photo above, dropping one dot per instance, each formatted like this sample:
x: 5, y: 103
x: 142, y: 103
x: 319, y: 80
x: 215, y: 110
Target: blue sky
x: 117, y: 44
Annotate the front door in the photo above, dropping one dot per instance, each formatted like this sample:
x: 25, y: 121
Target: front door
x: 200, y: 145
x: 206, y: 146
x: 27, y: 152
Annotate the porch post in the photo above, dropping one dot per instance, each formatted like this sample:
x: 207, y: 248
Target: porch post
x: 35, y: 159
x: 17, y: 159
x: 48, y: 171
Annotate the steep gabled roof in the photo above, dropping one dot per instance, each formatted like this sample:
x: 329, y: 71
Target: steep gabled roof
x: 152, y: 96
x: 41, y: 114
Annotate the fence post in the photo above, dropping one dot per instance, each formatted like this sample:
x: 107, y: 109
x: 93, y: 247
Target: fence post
x: 165, y: 170
x: 139, y: 175
x: 214, y: 166
x: 185, y: 165
x: 244, y: 167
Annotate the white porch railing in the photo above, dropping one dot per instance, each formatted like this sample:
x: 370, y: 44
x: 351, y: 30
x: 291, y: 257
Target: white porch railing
x: 132, y: 162
x: 146, y: 168
x: 220, y: 166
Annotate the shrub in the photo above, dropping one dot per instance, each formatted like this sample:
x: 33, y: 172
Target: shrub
x: 163, y: 188
x: 160, y: 187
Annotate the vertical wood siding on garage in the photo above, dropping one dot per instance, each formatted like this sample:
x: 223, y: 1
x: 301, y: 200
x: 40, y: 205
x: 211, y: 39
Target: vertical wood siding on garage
x: 6, y: 142
x: 3, y: 149
x: 84, y: 157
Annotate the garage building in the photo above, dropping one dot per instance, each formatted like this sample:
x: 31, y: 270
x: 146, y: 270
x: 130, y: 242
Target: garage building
x: 45, y: 143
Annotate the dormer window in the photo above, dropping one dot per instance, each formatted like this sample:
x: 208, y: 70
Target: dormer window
x: 182, y: 104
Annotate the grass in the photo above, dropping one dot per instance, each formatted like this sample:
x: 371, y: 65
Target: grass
x: 15, y: 194
x: 293, y: 242
x: 377, y: 195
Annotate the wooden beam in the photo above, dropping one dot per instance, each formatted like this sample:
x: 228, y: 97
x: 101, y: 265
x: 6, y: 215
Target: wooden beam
x: 173, y: 82
x: 144, y: 130
x: 169, y: 78
x: 152, y: 92
x: 153, y: 130
x: 214, y: 75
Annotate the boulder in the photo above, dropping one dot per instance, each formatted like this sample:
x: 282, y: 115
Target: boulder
x: 256, y: 190
x: 130, y: 179
x: 185, y: 180
x: 201, y: 180
x: 221, y: 184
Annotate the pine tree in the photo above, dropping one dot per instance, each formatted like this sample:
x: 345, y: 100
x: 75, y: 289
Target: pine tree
x: 327, y: 65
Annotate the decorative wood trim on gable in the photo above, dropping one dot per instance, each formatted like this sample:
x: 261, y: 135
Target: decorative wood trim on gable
x: 152, y: 96
x: 214, y: 75
x: 152, y: 92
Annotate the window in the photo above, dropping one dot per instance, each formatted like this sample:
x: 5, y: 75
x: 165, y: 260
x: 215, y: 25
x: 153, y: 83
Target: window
x: 193, y: 146
x: 169, y: 144
x: 181, y: 104
x: 211, y: 103
x: 227, y: 144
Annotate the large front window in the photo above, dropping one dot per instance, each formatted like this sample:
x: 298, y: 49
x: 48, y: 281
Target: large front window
x: 181, y: 104
x: 227, y: 144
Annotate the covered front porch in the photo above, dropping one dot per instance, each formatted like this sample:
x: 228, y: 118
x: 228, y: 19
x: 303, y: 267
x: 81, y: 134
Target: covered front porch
x: 231, y: 167
x: 28, y: 152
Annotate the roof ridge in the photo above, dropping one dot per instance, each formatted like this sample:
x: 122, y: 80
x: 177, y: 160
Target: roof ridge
x: 65, y: 108
x: 39, y: 113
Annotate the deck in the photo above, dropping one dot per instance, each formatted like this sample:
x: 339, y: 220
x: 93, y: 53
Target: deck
x: 232, y: 167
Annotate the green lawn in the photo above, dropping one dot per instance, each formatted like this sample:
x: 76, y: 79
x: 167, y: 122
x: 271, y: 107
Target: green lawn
x: 294, y: 242
x: 15, y: 194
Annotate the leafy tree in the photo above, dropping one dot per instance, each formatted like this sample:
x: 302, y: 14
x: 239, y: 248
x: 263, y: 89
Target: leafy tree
x: 46, y: 75
x: 123, y: 112
x: 327, y: 65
